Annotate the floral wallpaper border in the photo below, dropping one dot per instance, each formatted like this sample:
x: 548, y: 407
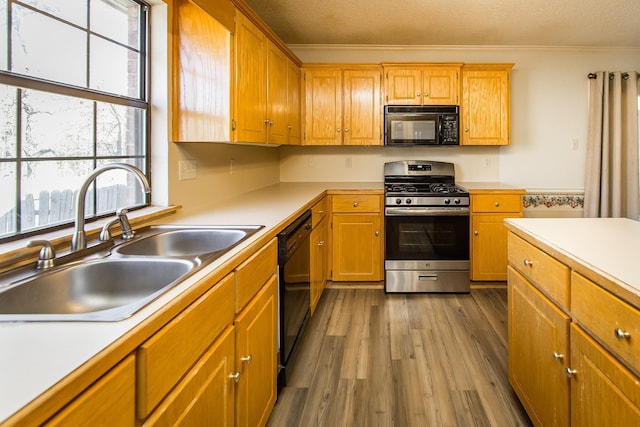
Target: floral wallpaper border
x: 549, y: 200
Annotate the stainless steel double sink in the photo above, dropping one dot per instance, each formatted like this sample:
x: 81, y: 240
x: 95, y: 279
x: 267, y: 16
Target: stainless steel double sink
x: 127, y: 278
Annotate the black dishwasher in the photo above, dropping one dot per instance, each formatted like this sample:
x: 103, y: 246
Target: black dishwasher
x: 294, y: 292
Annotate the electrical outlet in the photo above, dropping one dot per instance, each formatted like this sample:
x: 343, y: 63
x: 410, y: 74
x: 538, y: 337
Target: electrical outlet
x: 309, y: 161
x: 187, y: 169
x: 487, y: 162
x: 347, y: 162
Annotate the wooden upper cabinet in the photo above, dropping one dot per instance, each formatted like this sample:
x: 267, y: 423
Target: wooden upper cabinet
x: 362, y: 112
x: 200, y: 70
x: 422, y: 84
x: 323, y: 107
x: 485, y: 107
x: 342, y: 105
x: 277, y: 118
x: 251, y: 81
x: 294, y: 124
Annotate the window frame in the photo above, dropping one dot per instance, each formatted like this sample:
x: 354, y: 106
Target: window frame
x: 24, y: 82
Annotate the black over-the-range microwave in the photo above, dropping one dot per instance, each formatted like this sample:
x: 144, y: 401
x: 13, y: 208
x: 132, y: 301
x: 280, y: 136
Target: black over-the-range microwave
x: 406, y: 125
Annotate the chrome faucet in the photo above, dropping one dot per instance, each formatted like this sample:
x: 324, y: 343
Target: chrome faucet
x: 79, y: 240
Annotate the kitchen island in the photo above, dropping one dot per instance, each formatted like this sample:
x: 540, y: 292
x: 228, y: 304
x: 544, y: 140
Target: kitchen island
x: 574, y: 319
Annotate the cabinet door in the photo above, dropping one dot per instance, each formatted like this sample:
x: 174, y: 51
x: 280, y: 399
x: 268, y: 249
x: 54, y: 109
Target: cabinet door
x: 440, y: 86
x: 362, y: 117
x: 201, y: 70
x: 251, y: 90
x: 485, y: 107
x: 537, y: 366
x: 256, y: 357
x: 488, y: 247
x: 276, y: 95
x: 603, y: 392
x: 318, y: 267
x: 323, y: 107
x: 206, y: 395
x: 108, y: 402
x: 357, y: 247
x: 403, y: 86
x: 294, y: 126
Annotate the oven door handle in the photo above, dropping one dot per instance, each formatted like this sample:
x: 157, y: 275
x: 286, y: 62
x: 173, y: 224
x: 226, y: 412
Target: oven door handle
x: 413, y: 211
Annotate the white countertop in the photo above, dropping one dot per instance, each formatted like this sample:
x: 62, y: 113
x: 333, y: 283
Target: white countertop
x: 35, y: 356
x: 607, y: 250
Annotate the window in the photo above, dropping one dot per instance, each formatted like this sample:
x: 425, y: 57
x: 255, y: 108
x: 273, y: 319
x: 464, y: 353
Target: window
x: 73, y: 97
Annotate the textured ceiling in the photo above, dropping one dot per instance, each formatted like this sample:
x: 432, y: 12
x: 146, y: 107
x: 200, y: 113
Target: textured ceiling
x: 594, y: 23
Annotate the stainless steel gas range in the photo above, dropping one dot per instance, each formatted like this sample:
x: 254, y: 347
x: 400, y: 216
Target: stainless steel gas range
x: 426, y: 228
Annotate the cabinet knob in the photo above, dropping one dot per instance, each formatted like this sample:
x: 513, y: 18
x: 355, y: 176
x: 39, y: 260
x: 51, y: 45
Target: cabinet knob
x: 339, y: 130
x: 417, y: 94
x: 466, y: 129
x: 246, y: 359
x: 571, y: 372
x: 289, y: 127
x: 346, y: 129
x: 497, y: 204
x: 426, y: 94
x: 321, y: 212
x: 528, y: 263
x: 355, y: 204
x: 620, y: 334
x: 558, y: 356
x: 475, y: 233
x: 320, y: 243
x: 235, y: 377
x: 377, y: 233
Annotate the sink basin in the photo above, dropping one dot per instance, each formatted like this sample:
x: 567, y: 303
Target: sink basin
x: 186, y: 242
x: 101, y: 290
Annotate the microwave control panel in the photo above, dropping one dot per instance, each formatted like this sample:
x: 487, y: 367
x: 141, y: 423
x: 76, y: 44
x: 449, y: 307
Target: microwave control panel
x: 450, y: 132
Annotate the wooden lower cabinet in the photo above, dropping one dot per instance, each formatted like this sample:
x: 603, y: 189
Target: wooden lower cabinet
x: 256, y: 357
x: 318, y: 266
x: 206, y: 396
x: 603, y: 391
x: 108, y: 402
x: 357, y: 247
x: 538, y: 353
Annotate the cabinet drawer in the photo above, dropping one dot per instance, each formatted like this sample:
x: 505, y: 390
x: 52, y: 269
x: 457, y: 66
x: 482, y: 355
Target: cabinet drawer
x: 356, y: 203
x: 606, y: 316
x: 206, y: 395
x: 164, y: 358
x: 318, y: 212
x: 548, y: 275
x: 254, y: 272
x: 496, y: 203
x: 109, y: 402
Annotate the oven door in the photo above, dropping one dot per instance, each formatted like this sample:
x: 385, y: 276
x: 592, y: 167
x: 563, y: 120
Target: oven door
x: 432, y: 237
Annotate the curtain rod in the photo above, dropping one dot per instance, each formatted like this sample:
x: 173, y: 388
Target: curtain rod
x: 625, y: 76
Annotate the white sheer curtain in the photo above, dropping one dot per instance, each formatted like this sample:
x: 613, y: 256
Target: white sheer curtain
x: 611, y: 178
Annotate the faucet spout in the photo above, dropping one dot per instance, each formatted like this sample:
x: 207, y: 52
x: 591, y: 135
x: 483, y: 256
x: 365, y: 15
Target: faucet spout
x: 79, y: 240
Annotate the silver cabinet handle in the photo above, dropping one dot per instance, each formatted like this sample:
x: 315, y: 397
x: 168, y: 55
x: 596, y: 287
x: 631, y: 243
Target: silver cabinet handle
x: 558, y: 356
x: 571, y: 372
x: 246, y: 359
x: 528, y: 263
x: 620, y: 334
x: 235, y: 377
x: 320, y: 243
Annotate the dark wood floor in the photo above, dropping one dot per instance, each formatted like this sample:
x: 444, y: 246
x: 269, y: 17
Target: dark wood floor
x: 370, y: 359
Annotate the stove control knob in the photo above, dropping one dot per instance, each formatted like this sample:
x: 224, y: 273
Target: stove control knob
x: 398, y: 201
x: 447, y: 201
x: 408, y: 201
x: 456, y: 201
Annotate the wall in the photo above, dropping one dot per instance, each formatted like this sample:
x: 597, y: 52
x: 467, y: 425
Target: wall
x: 548, y: 111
